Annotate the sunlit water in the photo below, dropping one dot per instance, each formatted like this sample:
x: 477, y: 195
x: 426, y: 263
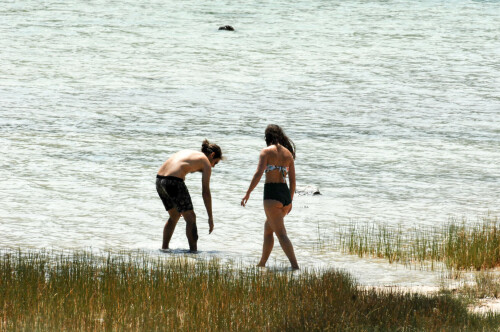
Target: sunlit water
x: 393, y: 105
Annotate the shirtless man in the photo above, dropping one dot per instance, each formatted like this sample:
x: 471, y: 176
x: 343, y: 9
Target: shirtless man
x: 175, y: 195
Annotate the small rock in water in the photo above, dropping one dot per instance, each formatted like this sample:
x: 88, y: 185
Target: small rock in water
x: 308, y: 190
x: 226, y: 27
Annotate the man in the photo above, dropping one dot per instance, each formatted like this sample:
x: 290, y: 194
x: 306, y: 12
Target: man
x: 175, y: 195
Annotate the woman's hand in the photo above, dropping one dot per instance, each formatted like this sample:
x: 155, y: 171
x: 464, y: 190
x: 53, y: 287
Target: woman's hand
x: 245, y: 200
x: 287, y: 209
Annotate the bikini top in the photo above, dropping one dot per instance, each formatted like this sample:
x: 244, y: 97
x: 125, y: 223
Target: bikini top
x: 282, y: 169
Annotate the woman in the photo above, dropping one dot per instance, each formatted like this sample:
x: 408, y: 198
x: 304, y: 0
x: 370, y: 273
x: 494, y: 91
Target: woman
x: 276, y: 161
x: 175, y: 195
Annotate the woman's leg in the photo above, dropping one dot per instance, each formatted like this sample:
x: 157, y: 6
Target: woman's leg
x: 268, y: 244
x: 275, y: 215
x: 169, y: 228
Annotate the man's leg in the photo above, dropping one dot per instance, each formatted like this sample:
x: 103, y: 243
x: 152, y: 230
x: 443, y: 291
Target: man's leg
x: 169, y: 228
x: 191, y: 229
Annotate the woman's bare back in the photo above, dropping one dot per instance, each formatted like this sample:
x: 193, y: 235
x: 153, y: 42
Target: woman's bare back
x: 277, y: 155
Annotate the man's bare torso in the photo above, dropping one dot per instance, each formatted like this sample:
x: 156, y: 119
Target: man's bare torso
x: 184, y: 162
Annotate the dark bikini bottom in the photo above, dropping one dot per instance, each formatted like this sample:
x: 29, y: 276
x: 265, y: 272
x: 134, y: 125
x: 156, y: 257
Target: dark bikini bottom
x: 278, y: 192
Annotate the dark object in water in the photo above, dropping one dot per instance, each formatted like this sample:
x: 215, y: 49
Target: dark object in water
x: 226, y: 27
x: 307, y: 191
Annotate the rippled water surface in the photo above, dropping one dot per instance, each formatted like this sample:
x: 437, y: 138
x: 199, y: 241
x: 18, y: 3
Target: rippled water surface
x: 393, y: 105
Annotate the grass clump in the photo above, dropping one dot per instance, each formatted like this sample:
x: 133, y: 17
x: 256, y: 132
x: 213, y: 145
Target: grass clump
x: 476, y: 247
x: 485, y: 285
x: 461, y: 247
x: 82, y: 291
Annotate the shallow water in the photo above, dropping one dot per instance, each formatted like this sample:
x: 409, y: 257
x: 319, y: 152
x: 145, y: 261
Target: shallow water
x: 393, y: 106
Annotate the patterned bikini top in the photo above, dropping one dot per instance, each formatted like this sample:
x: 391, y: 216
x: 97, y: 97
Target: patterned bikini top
x: 283, y: 170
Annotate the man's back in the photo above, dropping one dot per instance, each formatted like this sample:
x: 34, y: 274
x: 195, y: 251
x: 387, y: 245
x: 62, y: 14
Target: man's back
x: 184, y: 162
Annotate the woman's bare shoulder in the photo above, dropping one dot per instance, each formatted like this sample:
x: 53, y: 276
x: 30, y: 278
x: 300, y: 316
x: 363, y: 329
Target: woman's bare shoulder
x: 268, y: 150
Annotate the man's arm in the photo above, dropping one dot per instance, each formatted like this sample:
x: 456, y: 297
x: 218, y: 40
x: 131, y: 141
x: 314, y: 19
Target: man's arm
x: 207, y: 197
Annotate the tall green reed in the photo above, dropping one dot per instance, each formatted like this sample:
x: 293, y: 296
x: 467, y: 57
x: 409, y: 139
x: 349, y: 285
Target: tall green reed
x: 459, y: 246
x: 128, y: 291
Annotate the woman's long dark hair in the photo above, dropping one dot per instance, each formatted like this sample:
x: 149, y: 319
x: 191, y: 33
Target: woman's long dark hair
x: 276, y: 135
x: 207, y: 148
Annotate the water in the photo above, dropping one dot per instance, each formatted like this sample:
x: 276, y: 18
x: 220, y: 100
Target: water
x: 393, y: 105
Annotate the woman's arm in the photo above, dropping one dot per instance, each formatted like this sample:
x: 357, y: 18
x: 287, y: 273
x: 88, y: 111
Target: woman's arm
x: 291, y: 176
x: 261, y: 167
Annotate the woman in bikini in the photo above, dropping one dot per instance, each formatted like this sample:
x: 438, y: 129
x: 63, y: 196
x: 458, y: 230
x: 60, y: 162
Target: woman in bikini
x: 276, y: 161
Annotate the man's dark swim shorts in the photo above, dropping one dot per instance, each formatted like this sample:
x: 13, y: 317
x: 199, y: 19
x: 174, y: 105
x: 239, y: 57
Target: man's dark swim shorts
x: 173, y: 193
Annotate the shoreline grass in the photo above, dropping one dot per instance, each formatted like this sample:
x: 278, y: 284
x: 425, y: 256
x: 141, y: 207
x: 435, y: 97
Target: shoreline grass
x: 485, y: 285
x: 83, y: 291
x: 457, y: 246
